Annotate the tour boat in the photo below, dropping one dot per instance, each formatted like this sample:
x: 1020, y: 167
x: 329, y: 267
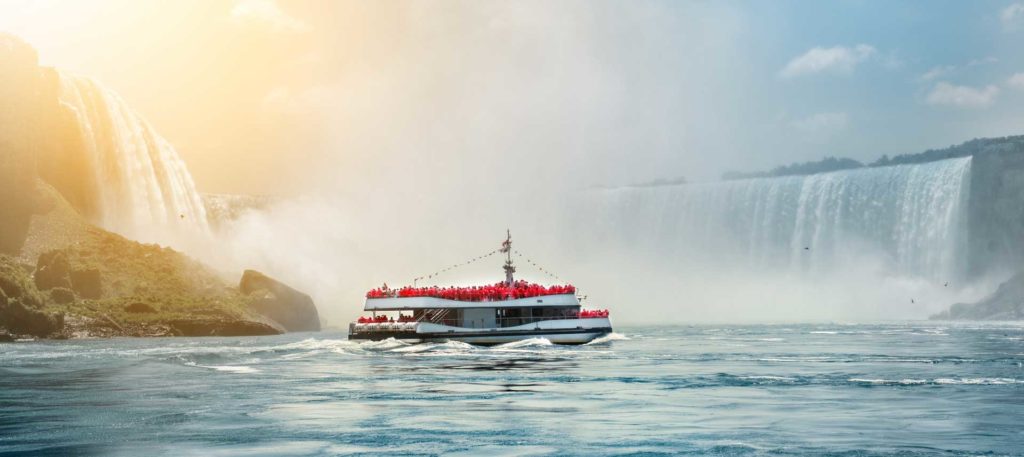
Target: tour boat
x: 485, y: 315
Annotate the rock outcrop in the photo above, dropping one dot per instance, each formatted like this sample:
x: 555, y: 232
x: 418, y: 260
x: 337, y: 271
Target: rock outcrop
x: 24, y: 319
x: 221, y: 327
x: 53, y: 270
x: 62, y: 296
x: 87, y: 283
x: 22, y: 307
x: 1006, y: 303
x: 294, y: 310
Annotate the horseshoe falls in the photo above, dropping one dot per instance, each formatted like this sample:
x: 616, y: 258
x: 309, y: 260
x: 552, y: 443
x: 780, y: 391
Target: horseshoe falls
x: 911, y: 220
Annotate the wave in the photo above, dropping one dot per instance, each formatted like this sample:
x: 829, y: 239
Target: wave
x: 938, y: 381
x: 382, y: 345
x: 446, y: 347
x: 987, y: 381
x: 239, y: 369
x: 608, y: 339
x: 901, y: 382
x: 529, y: 342
x: 769, y: 380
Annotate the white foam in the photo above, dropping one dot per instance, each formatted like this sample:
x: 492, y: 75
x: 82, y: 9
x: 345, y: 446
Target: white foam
x: 979, y: 381
x: 312, y: 344
x: 906, y: 382
x: 240, y: 369
x: 946, y: 381
x: 382, y: 345
x: 526, y: 343
x: 609, y: 338
x: 449, y: 346
x: 769, y: 378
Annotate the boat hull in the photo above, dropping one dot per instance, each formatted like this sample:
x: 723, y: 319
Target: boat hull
x: 572, y: 331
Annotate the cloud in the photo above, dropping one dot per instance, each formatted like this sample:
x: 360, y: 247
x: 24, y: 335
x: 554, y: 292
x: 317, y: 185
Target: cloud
x: 1012, y: 15
x: 962, y: 96
x: 265, y: 13
x: 838, y: 59
x: 1016, y: 81
x: 937, y: 72
x: 943, y: 70
x: 985, y: 61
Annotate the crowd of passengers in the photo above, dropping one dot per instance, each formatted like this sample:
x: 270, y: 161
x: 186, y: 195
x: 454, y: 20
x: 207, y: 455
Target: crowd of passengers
x: 583, y: 314
x: 384, y: 319
x: 495, y: 292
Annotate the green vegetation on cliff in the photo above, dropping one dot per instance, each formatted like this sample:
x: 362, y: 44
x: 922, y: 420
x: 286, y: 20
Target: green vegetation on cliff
x: 978, y: 146
x: 71, y: 278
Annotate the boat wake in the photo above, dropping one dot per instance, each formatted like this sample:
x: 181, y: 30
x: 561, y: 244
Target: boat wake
x: 527, y: 343
x: 445, y: 348
x: 252, y: 356
x: 608, y: 339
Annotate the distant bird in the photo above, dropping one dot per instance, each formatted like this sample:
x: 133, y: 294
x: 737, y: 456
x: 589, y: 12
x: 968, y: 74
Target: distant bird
x: 911, y: 300
x: 945, y: 285
x: 182, y: 216
x: 807, y: 248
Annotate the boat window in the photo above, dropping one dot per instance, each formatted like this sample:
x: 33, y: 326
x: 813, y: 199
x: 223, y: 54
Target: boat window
x: 511, y: 317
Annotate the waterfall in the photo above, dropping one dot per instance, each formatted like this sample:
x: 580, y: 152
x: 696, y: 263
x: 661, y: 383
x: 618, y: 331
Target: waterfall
x: 144, y: 190
x: 912, y: 217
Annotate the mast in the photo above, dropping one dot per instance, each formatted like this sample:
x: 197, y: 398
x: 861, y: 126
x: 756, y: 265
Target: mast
x: 506, y: 247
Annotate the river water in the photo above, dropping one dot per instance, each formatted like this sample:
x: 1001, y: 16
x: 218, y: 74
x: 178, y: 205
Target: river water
x: 917, y: 388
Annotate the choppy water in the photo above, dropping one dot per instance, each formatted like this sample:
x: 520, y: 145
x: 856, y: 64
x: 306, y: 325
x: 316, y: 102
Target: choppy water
x: 906, y: 389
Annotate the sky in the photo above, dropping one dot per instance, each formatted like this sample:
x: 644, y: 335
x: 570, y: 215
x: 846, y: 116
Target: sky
x: 282, y: 97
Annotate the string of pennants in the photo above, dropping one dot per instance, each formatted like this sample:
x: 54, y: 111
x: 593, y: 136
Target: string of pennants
x: 542, y: 270
x: 445, y: 270
x: 484, y: 256
x: 550, y: 274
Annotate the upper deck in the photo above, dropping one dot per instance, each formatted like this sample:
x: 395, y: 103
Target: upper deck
x: 415, y: 303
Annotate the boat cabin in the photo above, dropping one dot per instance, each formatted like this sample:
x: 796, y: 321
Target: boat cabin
x: 483, y: 314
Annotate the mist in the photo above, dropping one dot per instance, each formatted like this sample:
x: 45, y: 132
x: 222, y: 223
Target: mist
x: 337, y: 249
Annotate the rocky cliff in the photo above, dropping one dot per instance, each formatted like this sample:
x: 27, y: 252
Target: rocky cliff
x: 294, y: 310
x: 72, y: 279
x: 996, y: 206
x: 1006, y: 303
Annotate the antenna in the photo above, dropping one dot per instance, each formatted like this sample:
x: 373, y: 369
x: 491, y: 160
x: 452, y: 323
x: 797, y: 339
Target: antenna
x: 506, y: 247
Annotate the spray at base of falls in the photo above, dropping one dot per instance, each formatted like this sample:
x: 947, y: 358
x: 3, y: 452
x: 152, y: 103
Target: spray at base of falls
x: 863, y: 244
x: 143, y: 189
